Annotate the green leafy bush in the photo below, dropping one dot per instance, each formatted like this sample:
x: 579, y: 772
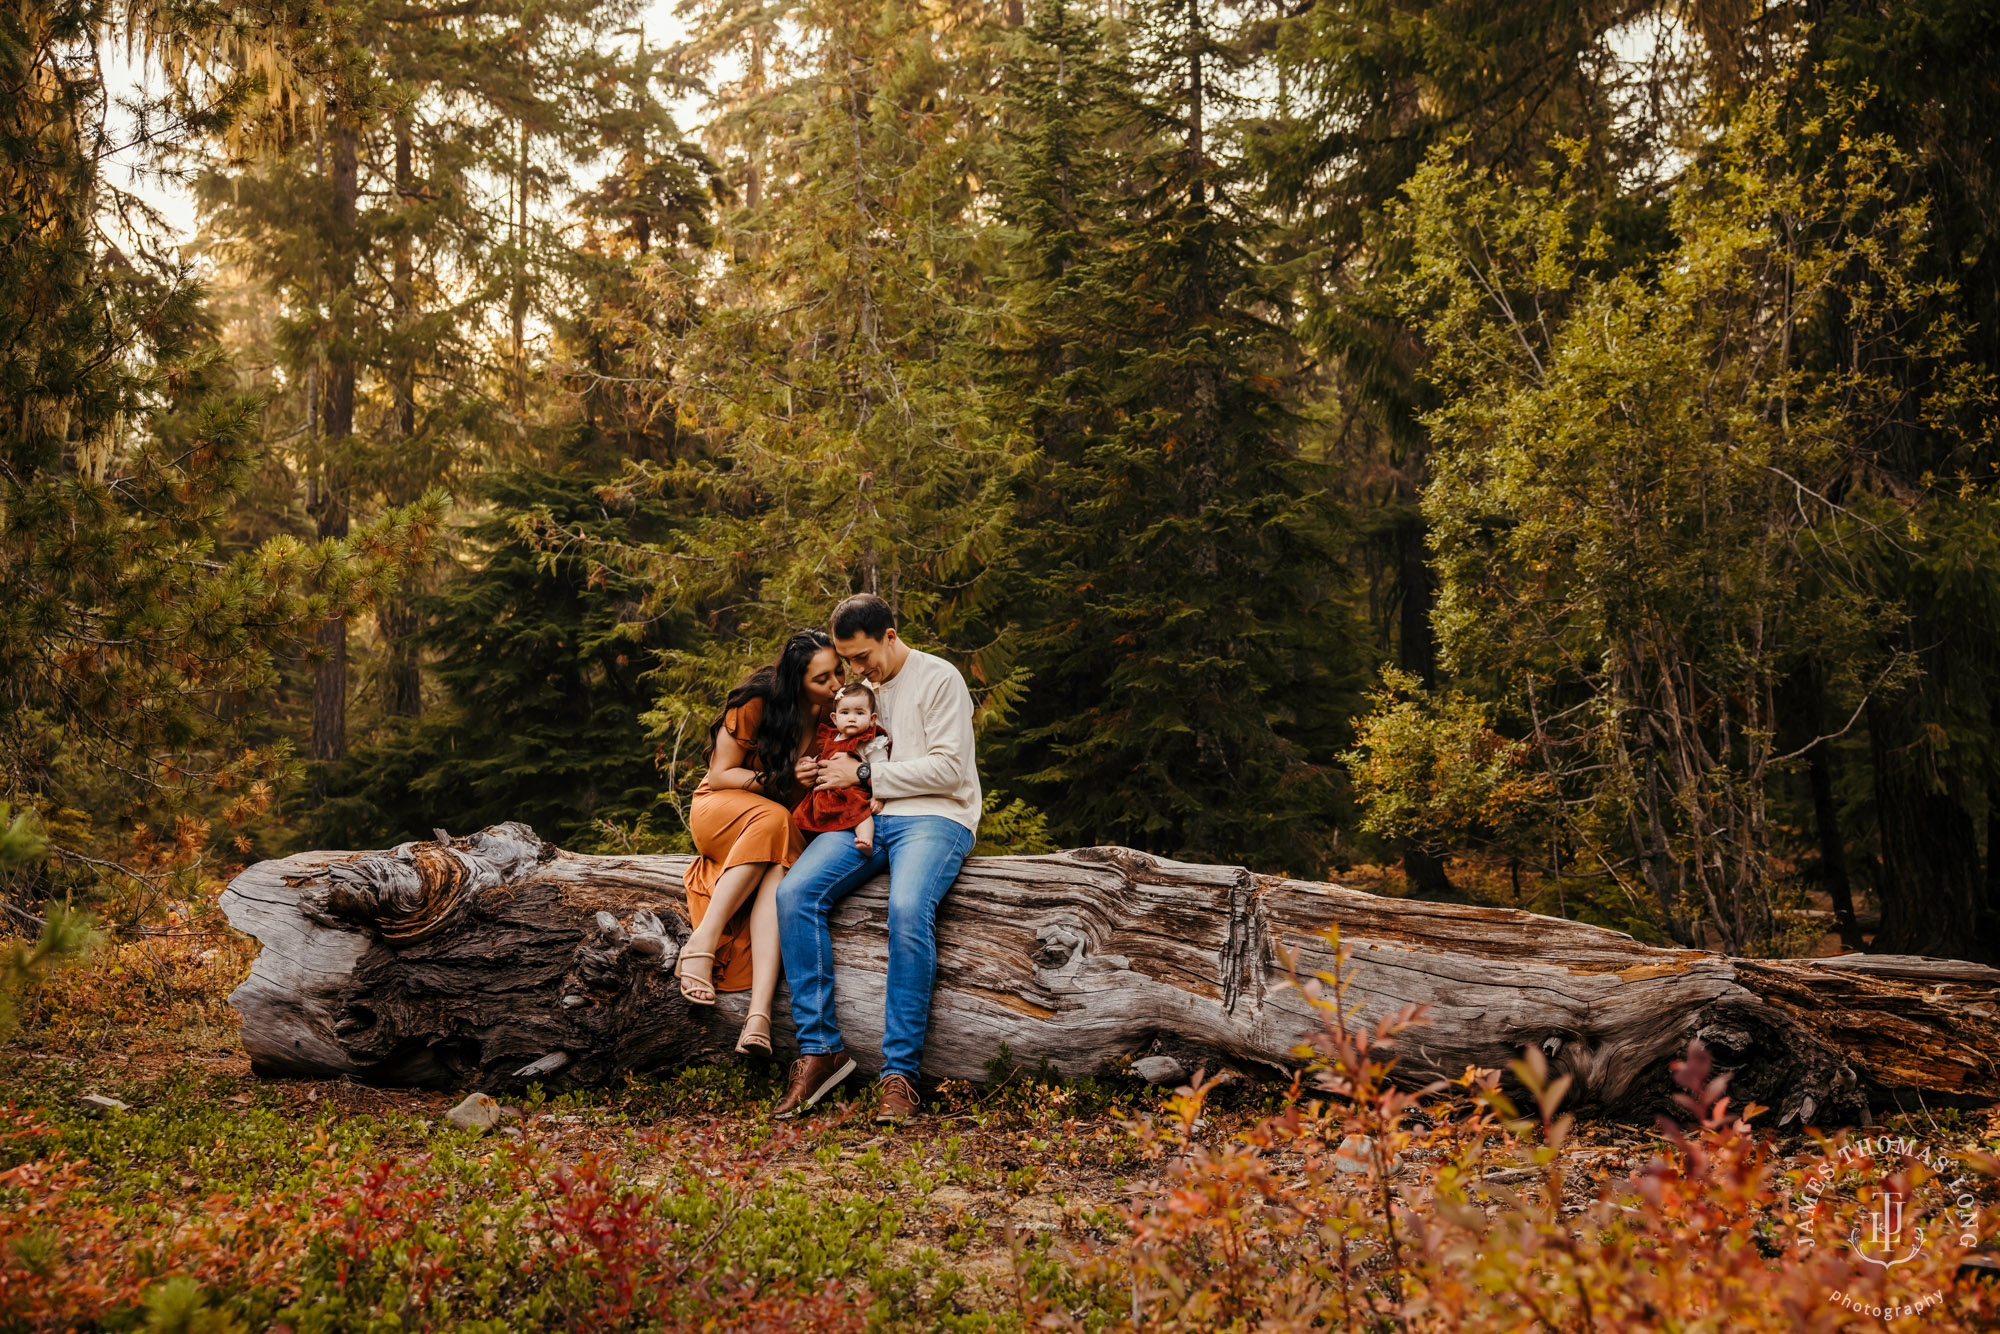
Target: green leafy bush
x: 1429, y: 768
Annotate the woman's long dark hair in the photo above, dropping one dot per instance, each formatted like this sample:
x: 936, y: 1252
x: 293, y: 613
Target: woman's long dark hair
x: 782, y: 687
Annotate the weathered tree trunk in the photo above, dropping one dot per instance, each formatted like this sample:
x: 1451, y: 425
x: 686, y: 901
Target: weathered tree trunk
x: 496, y: 958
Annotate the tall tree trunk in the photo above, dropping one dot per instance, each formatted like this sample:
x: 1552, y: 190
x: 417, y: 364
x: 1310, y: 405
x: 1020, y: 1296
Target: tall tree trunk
x: 518, y: 306
x: 1932, y: 888
x: 1416, y: 653
x: 402, y: 678
x: 329, y: 712
x: 1833, y: 872
x: 753, y: 189
x: 397, y: 619
x: 403, y: 284
x: 1993, y: 845
x: 1993, y: 814
x: 328, y: 500
x: 1196, y: 98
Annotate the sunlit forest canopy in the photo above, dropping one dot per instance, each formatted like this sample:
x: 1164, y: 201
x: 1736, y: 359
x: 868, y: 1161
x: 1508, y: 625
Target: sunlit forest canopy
x: 1538, y: 454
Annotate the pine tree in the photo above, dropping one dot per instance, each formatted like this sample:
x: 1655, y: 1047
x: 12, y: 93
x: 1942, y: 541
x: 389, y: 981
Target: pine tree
x: 1187, y: 656
x: 1632, y: 488
x: 1367, y: 88
x: 542, y: 649
x: 541, y: 658
x: 1921, y: 73
x: 829, y: 374
x: 415, y: 248
x: 131, y: 644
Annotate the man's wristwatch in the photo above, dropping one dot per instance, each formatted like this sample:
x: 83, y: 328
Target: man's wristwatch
x: 865, y: 775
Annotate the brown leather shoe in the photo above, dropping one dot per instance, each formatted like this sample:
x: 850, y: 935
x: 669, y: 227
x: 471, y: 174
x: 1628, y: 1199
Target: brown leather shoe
x: 899, y: 1101
x: 813, y: 1077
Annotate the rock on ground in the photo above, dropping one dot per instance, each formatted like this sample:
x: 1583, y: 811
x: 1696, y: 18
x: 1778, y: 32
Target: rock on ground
x: 478, y: 1112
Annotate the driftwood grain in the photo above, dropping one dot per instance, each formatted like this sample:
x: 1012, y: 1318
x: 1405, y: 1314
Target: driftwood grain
x: 496, y: 959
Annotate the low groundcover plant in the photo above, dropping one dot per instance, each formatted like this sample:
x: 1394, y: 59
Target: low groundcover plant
x: 512, y: 1240
x: 1362, y: 1206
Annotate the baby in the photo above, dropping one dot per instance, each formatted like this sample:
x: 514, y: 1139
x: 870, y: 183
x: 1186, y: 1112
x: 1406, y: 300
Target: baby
x: 853, y: 731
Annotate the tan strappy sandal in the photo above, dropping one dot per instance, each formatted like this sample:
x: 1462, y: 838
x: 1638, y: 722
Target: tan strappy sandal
x: 756, y: 1035
x: 687, y: 983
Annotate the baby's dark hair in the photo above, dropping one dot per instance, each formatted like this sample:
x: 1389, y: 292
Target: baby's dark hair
x: 856, y: 688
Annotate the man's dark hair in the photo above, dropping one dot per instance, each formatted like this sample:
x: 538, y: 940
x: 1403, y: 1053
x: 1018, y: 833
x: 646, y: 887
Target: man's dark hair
x: 863, y: 614
x: 857, y: 688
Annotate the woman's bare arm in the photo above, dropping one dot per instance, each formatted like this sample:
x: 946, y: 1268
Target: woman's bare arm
x: 728, y: 769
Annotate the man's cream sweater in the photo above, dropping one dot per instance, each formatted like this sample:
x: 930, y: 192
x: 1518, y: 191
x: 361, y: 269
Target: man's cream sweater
x: 927, y: 712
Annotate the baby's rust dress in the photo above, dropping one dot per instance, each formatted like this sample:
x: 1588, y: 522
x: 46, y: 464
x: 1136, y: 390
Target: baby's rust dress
x: 824, y: 810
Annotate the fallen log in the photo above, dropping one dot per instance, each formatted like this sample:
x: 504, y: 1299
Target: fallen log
x: 496, y: 959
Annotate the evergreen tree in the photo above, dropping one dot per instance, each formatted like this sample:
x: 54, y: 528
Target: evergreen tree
x: 829, y: 369
x: 131, y: 645
x: 1370, y: 87
x: 1188, y: 658
x: 541, y: 648
x: 542, y: 659
x: 414, y: 249
x: 1632, y: 489
x: 1921, y: 74
x: 1366, y: 89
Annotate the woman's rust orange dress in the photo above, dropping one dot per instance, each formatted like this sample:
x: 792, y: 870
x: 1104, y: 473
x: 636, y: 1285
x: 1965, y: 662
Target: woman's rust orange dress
x: 734, y: 827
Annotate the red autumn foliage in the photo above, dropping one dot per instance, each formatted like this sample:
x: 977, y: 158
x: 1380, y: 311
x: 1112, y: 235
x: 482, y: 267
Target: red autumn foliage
x: 1367, y: 1207
x: 543, y: 1243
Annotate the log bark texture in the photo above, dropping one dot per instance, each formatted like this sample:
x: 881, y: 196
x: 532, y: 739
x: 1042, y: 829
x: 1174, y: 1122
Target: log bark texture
x: 494, y: 959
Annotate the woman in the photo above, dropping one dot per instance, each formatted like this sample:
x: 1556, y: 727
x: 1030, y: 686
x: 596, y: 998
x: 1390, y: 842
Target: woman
x: 741, y: 819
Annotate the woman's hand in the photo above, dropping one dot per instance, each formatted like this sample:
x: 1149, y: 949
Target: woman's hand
x: 807, y: 770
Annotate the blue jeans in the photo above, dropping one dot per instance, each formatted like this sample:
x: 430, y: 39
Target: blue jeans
x: 922, y: 854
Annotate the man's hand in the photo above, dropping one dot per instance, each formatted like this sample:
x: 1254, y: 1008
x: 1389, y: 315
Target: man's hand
x: 807, y: 769
x: 838, y: 771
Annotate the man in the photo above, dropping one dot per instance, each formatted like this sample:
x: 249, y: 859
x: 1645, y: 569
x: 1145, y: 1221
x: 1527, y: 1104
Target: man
x: 929, y: 789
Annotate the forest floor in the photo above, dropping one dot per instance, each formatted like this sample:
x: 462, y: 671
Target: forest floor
x: 946, y: 1202
x: 941, y: 1221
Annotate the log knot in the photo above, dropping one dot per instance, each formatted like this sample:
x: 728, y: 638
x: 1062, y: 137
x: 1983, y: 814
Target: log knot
x: 611, y: 950
x: 1240, y: 963
x: 1059, y: 951
x: 1133, y: 864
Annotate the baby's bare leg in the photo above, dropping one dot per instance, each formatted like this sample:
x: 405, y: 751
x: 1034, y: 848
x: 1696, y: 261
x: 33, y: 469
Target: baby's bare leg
x: 864, y: 835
